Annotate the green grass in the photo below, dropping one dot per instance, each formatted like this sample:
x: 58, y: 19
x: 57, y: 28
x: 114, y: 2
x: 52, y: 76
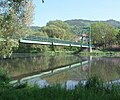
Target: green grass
x: 100, y: 53
x: 58, y: 93
x: 93, y: 90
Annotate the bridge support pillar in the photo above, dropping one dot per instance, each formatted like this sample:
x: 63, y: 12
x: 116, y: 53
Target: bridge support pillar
x: 90, y: 49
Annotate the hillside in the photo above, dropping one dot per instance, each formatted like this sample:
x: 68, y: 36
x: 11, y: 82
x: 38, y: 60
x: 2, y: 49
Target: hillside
x: 81, y: 22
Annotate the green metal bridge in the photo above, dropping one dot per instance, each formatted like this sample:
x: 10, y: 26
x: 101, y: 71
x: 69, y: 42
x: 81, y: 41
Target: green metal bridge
x: 51, y: 41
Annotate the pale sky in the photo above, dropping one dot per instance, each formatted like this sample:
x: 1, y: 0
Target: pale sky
x: 75, y: 9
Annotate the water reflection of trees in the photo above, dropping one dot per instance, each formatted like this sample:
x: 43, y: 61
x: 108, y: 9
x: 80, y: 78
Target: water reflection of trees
x: 19, y: 66
x: 106, y: 68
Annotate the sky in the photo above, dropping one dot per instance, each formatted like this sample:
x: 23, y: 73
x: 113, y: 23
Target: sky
x: 75, y: 9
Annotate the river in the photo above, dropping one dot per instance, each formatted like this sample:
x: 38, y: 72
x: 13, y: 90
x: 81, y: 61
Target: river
x: 62, y: 68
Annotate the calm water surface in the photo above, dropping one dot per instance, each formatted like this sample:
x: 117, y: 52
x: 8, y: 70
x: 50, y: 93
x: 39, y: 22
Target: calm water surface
x: 108, y: 68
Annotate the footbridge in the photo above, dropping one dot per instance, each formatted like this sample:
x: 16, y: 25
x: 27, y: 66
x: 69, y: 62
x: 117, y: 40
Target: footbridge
x: 51, y: 41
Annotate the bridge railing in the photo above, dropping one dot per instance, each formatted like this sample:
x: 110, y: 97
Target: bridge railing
x: 43, y: 39
x: 52, y: 40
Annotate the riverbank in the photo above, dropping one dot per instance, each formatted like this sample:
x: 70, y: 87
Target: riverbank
x: 93, y: 53
x: 49, y: 53
x: 93, y: 90
x: 100, y: 53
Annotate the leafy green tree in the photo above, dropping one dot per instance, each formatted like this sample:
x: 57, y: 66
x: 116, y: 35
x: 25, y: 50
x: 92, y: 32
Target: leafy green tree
x: 118, y: 37
x: 76, y: 30
x: 9, y: 26
x: 103, y: 34
x: 6, y: 47
x: 54, y: 31
x: 59, y: 24
x: 15, y: 17
x: 57, y: 29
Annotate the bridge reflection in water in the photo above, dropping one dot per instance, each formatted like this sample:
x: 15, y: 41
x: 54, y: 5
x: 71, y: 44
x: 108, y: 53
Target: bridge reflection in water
x: 77, y: 71
x: 106, y: 68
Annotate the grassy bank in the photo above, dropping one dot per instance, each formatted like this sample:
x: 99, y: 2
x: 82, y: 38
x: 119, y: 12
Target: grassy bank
x: 93, y: 90
x: 57, y: 93
x: 93, y: 53
x: 100, y: 53
x: 82, y: 53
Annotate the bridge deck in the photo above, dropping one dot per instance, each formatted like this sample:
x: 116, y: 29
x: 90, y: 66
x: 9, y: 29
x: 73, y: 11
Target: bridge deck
x: 51, y: 41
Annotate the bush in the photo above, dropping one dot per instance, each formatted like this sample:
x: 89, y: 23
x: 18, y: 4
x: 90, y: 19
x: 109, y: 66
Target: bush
x: 94, y: 82
x: 4, y: 78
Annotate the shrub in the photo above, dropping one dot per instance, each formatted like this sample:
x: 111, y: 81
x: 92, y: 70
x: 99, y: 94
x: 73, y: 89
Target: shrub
x: 4, y: 78
x: 94, y: 82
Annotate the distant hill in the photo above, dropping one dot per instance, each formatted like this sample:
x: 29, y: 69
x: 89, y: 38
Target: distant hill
x: 81, y: 22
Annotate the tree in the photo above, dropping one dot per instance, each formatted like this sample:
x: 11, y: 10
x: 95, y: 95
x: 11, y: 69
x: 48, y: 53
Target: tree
x: 103, y: 34
x: 15, y: 17
x: 59, y: 24
x: 118, y: 37
x: 6, y: 47
x: 57, y: 29
x: 22, y: 9
x: 28, y: 15
x: 78, y: 30
x: 9, y: 25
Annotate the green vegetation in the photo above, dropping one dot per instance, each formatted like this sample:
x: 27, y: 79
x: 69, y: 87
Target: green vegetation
x: 16, y: 18
x: 93, y: 90
x: 103, y: 35
x: 100, y: 53
x: 4, y: 79
x: 118, y: 37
